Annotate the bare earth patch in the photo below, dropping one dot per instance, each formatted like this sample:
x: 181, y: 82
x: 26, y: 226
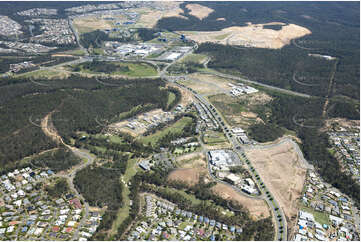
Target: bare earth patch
x: 257, y: 208
x: 187, y: 175
x: 199, y: 11
x: 258, y: 98
x: 249, y: 115
x: 253, y: 35
x: 121, y: 126
x: 280, y: 169
x: 150, y: 17
x: 88, y: 24
x: 207, y: 84
x: 193, y: 166
x: 187, y: 96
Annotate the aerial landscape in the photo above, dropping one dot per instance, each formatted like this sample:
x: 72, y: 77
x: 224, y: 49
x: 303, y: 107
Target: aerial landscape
x: 181, y: 121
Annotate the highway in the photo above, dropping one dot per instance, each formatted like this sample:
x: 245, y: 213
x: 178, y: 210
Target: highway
x: 216, y: 73
x: 281, y: 230
x: 279, y: 217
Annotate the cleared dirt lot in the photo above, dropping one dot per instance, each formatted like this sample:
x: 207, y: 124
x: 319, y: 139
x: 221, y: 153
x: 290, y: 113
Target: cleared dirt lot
x: 192, y: 167
x: 280, y: 169
x: 207, y: 84
x: 199, y: 11
x: 88, y: 24
x: 253, y: 35
x: 150, y: 17
x: 257, y: 208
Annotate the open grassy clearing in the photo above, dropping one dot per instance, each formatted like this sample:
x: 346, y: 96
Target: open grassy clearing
x: 98, y: 51
x: 197, y: 58
x: 78, y: 52
x: 89, y: 24
x: 175, y: 128
x: 49, y: 74
x: 111, y: 138
x: 191, y: 168
x: 207, y: 84
x: 117, y: 68
x: 171, y: 98
x: 242, y: 110
x: 124, y: 211
x: 214, y: 137
x: 320, y: 217
x: 196, y: 201
x: 185, y: 150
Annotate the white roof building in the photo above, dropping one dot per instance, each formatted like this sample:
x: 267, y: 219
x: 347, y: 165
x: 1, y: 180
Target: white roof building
x: 336, y: 220
x: 300, y: 237
x: 219, y: 158
x: 237, y: 130
x: 21, y: 193
x: 10, y: 229
x: 250, y: 182
x: 18, y: 203
x: 38, y: 231
x: 306, y: 216
x: 173, y: 56
x: 234, y: 178
x: 71, y: 223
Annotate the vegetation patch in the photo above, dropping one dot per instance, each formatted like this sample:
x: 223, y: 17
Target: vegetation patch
x: 117, y: 68
x: 265, y: 132
x: 59, y: 189
x: 59, y: 159
x: 100, y: 187
x: 174, y: 129
x: 214, y: 137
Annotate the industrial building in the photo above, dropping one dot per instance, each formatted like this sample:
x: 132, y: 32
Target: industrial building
x: 221, y: 159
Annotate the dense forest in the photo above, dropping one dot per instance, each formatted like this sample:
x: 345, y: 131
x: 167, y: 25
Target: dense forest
x: 289, y: 68
x: 56, y: 160
x: 80, y: 102
x: 100, y: 187
x: 58, y: 189
x: 265, y: 132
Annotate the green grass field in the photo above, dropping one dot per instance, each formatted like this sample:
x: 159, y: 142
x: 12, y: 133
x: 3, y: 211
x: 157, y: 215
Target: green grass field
x: 180, y: 150
x: 222, y: 36
x: 133, y: 69
x: 98, y: 51
x: 78, y: 52
x: 124, y: 211
x: 43, y: 73
x: 171, y: 98
x: 322, y: 218
x: 197, y: 58
x: 175, y: 128
x: 214, y: 137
